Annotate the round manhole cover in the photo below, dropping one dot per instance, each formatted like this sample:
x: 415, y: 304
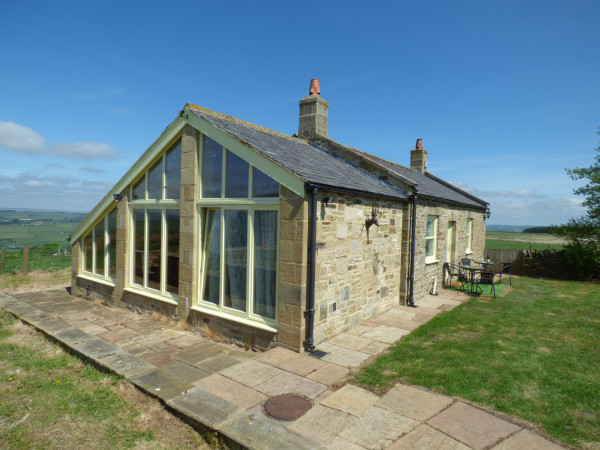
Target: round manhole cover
x: 287, y: 406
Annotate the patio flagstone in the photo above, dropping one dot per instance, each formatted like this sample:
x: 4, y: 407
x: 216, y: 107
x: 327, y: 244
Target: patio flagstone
x: 424, y: 438
x: 351, y: 399
x: 386, y: 334
x: 311, y: 423
x: 378, y: 428
x: 413, y: 402
x: 250, y: 372
x: 472, y: 426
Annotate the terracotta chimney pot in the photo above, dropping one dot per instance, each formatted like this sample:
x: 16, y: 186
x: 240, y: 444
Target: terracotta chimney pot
x: 315, y: 88
x: 419, y: 144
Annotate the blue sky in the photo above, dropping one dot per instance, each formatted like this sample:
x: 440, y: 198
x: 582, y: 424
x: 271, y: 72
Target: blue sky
x: 503, y: 93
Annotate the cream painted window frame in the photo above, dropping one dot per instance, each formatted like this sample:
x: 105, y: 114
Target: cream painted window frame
x: 469, y: 248
x: 250, y: 204
x: 429, y: 259
x: 161, y: 293
x: 106, y: 278
x: 146, y: 204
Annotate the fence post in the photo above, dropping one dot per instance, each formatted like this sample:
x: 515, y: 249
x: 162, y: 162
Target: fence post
x: 2, y: 260
x: 25, y: 259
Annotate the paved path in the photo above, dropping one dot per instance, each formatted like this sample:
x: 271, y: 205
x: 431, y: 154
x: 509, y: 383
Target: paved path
x: 224, y: 387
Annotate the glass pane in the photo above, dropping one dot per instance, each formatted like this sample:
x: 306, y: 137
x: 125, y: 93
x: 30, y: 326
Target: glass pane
x: 112, y: 244
x: 155, y: 181
x: 236, y: 230
x: 89, y: 252
x: 173, y: 172
x: 172, y: 251
x: 265, y: 262
x: 139, y: 189
x: 212, y: 255
x: 263, y: 185
x: 212, y: 156
x: 236, y: 182
x: 138, y: 247
x: 99, y: 249
x: 430, y: 221
x: 154, y: 238
x: 429, y: 247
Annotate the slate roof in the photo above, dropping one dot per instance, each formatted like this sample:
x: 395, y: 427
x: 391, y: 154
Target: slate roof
x: 431, y: 186
x: 308, y: 161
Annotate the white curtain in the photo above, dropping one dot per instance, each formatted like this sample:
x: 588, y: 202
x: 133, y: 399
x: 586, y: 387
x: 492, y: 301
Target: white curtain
x: 265, y: 262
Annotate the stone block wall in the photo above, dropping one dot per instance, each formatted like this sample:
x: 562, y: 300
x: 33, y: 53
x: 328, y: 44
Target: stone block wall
x: 293, y: 269
x: 358, y: 273
x: 424, y: 272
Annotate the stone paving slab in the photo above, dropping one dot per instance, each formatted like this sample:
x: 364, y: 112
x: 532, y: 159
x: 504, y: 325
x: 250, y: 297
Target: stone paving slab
x: 525, y: 439
x: 378, y: 428
x: 93, y: 329
x: 375, y: 348
x: 160, y: 358
x: 117, y: 335
x: 95, y: 348
x: 72, y: 336
x: 231, y: 391
x: 330, y: 374
x: 310, y: 425
x: 289, y: 383
x: 205, y: 408
x: 424, y: 438
x: 186, y: 373
x: 53, y: 326
x: 397, y: 322
x: 21, y: 309
x: 386, y: 334
x: 472, y: 426
x: 251, y: 372
x: 195, y: 355
x: 342, y: 356
x: 255, y: 431
x: 342, y: 444
x: 125, y: 364
x: 401, y: 313
x: 218, y: 363
x: 291, y: 361
x: 413, y: 402
x: 160, y: 383
x: 351, y: 399
x: 350, y: 341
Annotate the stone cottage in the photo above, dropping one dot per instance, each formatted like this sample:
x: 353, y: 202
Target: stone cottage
x: 269, y: 239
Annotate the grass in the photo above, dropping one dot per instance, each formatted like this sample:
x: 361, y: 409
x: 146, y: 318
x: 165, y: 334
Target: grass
x: 504, y: 240
x: 43, y: 257
x: 533, y: 354
x: 51, y: 399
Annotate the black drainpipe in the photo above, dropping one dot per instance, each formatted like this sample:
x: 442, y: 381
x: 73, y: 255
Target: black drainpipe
x: 413, y: 244
x: 310, y: 310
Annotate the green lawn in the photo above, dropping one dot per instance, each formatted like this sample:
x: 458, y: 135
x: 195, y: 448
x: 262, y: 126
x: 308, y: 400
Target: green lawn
x: 533, y: 353
x: 51, y: 399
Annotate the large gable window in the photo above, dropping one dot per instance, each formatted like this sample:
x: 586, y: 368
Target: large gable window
x: 155, y: 226
x: 431, y: 239
x: 100, y: 249
x: 239, y: 212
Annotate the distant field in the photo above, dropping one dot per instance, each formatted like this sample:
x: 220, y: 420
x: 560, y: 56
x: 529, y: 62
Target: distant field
x: 19, y: 227
x: 504, y: 240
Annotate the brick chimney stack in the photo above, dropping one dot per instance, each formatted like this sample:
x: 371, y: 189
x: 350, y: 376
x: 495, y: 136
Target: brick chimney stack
x: 313, y: 113
x: 418, y: 157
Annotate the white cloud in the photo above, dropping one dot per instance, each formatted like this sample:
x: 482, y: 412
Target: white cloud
x: 43, y: 191
x: 22, y: 139
x: 84, y: 150
x: 91, y: 169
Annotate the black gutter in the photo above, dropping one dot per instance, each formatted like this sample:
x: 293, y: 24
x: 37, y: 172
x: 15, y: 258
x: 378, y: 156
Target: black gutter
x: 310, y: 310
x: 410, y: 301
x: 327, y: 187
